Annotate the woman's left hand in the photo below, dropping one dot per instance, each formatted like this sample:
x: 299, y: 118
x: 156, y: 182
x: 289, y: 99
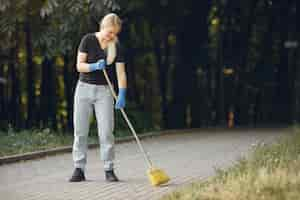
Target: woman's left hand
x: 121, y: 100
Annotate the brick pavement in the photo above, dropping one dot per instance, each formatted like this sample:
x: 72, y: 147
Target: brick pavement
x: 185, y: 156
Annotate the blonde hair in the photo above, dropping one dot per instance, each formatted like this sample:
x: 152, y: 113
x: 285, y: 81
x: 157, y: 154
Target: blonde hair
x: 111, y: 19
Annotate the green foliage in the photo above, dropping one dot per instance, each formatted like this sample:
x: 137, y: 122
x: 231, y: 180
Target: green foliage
x: 159, y: 37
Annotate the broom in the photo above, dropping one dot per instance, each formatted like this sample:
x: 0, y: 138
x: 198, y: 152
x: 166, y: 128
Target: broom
x: 155, y: 175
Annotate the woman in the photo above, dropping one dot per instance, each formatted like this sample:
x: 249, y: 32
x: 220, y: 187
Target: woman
x: 92, y: 92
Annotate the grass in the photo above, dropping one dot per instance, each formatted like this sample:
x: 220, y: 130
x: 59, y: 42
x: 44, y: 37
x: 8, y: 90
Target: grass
x: 28, y: 141
x: 25, y: 141
x: 271, y: 172
x: 18, y: 142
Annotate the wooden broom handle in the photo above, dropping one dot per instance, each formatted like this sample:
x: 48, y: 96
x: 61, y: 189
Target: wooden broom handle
x: 146, y: 156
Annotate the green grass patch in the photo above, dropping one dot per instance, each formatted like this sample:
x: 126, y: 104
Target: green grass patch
x: 12, y: 142
x: 18, y: 142
x: 271, y: 172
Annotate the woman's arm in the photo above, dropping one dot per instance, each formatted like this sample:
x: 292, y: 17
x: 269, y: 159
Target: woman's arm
x: 121, y: 75
x: 122, y: 83
x: 82, y: 65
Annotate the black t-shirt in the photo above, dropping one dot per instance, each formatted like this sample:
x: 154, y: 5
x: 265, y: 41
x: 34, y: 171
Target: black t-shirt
x: 90, y: 45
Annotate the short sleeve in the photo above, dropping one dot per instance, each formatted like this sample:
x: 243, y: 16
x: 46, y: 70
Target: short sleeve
x: 83, y: 46
x: 120, y: 54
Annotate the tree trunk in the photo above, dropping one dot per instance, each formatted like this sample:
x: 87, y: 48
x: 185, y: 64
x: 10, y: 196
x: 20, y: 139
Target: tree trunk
x: 247, y: 28
x: 221, y: 118
x: 265, y: 69
x: 14, y: 103
x: 224, y: 28
x: 30, y: 74
x: 244, y: 44
x: 48, y: 95
x: 284, y: 89
x: 54, y: 97
x: 163, y: 66
x: 180, y: 91
x: 68, y: 93
x: 199, y: 38
x: 295, y: 60
x: 3, y: 100
x: 45, y: 90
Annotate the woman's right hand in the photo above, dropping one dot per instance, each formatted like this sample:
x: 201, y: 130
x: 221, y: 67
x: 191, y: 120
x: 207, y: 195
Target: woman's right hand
x: 100, y: 65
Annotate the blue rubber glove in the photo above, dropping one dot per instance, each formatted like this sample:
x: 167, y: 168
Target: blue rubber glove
x: 121, y: 101
x: 97, y: 65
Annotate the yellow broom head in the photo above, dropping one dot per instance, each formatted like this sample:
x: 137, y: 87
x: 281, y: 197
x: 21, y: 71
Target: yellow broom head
x: 157, y: 176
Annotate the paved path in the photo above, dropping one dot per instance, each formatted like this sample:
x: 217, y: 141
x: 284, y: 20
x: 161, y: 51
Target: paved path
x: 185, y: 156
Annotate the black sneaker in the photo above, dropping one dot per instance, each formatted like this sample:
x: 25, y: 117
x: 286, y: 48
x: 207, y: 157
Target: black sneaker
x: 110, y: 176
x: 78, y: 175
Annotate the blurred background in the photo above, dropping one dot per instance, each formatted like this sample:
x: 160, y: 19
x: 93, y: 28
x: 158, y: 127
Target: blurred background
x: 190, y: 63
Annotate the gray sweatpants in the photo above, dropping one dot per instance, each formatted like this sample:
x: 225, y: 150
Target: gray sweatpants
x: 89, y: 97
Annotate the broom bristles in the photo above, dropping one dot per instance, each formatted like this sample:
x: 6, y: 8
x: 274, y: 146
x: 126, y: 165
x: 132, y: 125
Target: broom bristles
x: 157, y: 176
